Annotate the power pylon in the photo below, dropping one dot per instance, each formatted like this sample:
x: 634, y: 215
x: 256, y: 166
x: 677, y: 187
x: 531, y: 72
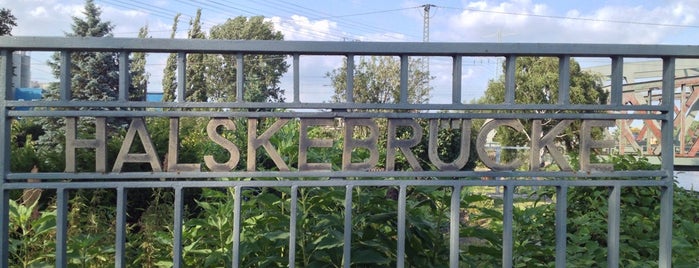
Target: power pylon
x: 426, y: 22
x: 426, y: 33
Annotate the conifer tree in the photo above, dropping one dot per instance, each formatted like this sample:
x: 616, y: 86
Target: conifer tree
x: 169, y: 81
x: 94, y: 76
x: 139, y: 76
x: 196, y: 83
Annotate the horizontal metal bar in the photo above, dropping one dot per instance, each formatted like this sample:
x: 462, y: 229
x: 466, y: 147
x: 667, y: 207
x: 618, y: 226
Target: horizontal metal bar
x: 320, y: 174
x: 332, y: 183
x: 230, y: 114
x: 355, y: 106
x: 35, y: 43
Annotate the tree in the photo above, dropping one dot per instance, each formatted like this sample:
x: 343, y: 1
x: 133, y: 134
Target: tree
x: 169, y: 79
x: 377, y: 80
x: 262, y: 72
x: 196, y: 82
x: 139, y: 76
x: 536, y: 82
x: 94, y: 75
x: 7, y: 21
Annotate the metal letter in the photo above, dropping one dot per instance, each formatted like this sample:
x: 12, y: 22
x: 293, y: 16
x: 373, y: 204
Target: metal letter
x: 174, y: 147
x: 393, y: 143
x: 255, y: 142
x: 482, y: 136
x: 99, y: 143
x: 370, y: 143
x: 587, y: 143
x: 225, y: 143
x: 305, y: 143
x: 137, y: 126
x: 547, y: 142
x: 433, y: 152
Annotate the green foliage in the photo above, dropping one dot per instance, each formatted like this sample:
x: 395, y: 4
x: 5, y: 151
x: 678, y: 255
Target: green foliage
x: 377, y: 80
x: 169, y: 81
x: 91, y: 228
x: 196, y: 69
x: 32, y: 236
x: 139, y: 76
x: 536, y: 82
x: 94, y: 76
x: 7, y: 21
x: 149, y: 240
x: 587, y: 225
x: 262, y: 72
x: 212, y: 77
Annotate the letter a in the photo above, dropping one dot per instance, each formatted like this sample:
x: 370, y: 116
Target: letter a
x: 137, y: 126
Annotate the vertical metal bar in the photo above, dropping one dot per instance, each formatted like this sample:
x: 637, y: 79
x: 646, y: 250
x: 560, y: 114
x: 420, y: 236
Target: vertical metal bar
x: 181, y: 75
x: 667, y: 192
x: 4, y: 224
x: 240, y: 77
x: 236, y: 226
x: 6, y: 93
x: 617, y: 81
x: 454, y: 227
x: 682, y: 117
x: 564, y: 80
x: 65, y: 88
x: 120, y: 247
x: 124, y: 76
x: 667, y: 164
x: 613, y: 223
x: 561, y: 225
x: 400, y: 262
x: 404, y: 78
x: 297, y: 78
x: 350, y: 78
x: 6, y: 71
x: 177, y: 227
x: 507, y: 239
x: 347, y: 247
x: 61, y: 227
x: 510, y: 68
x: 292, y: 225
x: 456, y: 70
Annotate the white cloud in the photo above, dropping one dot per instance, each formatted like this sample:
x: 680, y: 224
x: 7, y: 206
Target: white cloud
x: 526, y: 21
x: 39, y: 11
x: 302, y: 28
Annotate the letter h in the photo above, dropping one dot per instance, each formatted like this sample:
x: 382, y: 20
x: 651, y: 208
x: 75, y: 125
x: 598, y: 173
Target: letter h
x: 99, y: 144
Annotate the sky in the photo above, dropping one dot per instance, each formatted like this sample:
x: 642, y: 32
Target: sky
x: 537, y: 21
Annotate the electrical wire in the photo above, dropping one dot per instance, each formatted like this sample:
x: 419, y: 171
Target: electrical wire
x: 319, y: 15
x: 572, y: 18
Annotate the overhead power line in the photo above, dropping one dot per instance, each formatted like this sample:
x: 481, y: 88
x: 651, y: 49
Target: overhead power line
x: 572, y: 18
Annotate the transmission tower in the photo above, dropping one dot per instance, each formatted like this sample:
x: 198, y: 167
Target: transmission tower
x: 426, y: 22
x: 426, y: 32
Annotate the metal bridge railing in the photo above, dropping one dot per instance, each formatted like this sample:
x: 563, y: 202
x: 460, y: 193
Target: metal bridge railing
x: 66, y: 107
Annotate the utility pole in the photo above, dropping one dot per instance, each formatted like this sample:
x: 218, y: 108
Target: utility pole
x: 426, y: 22
x: 426, y: 33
